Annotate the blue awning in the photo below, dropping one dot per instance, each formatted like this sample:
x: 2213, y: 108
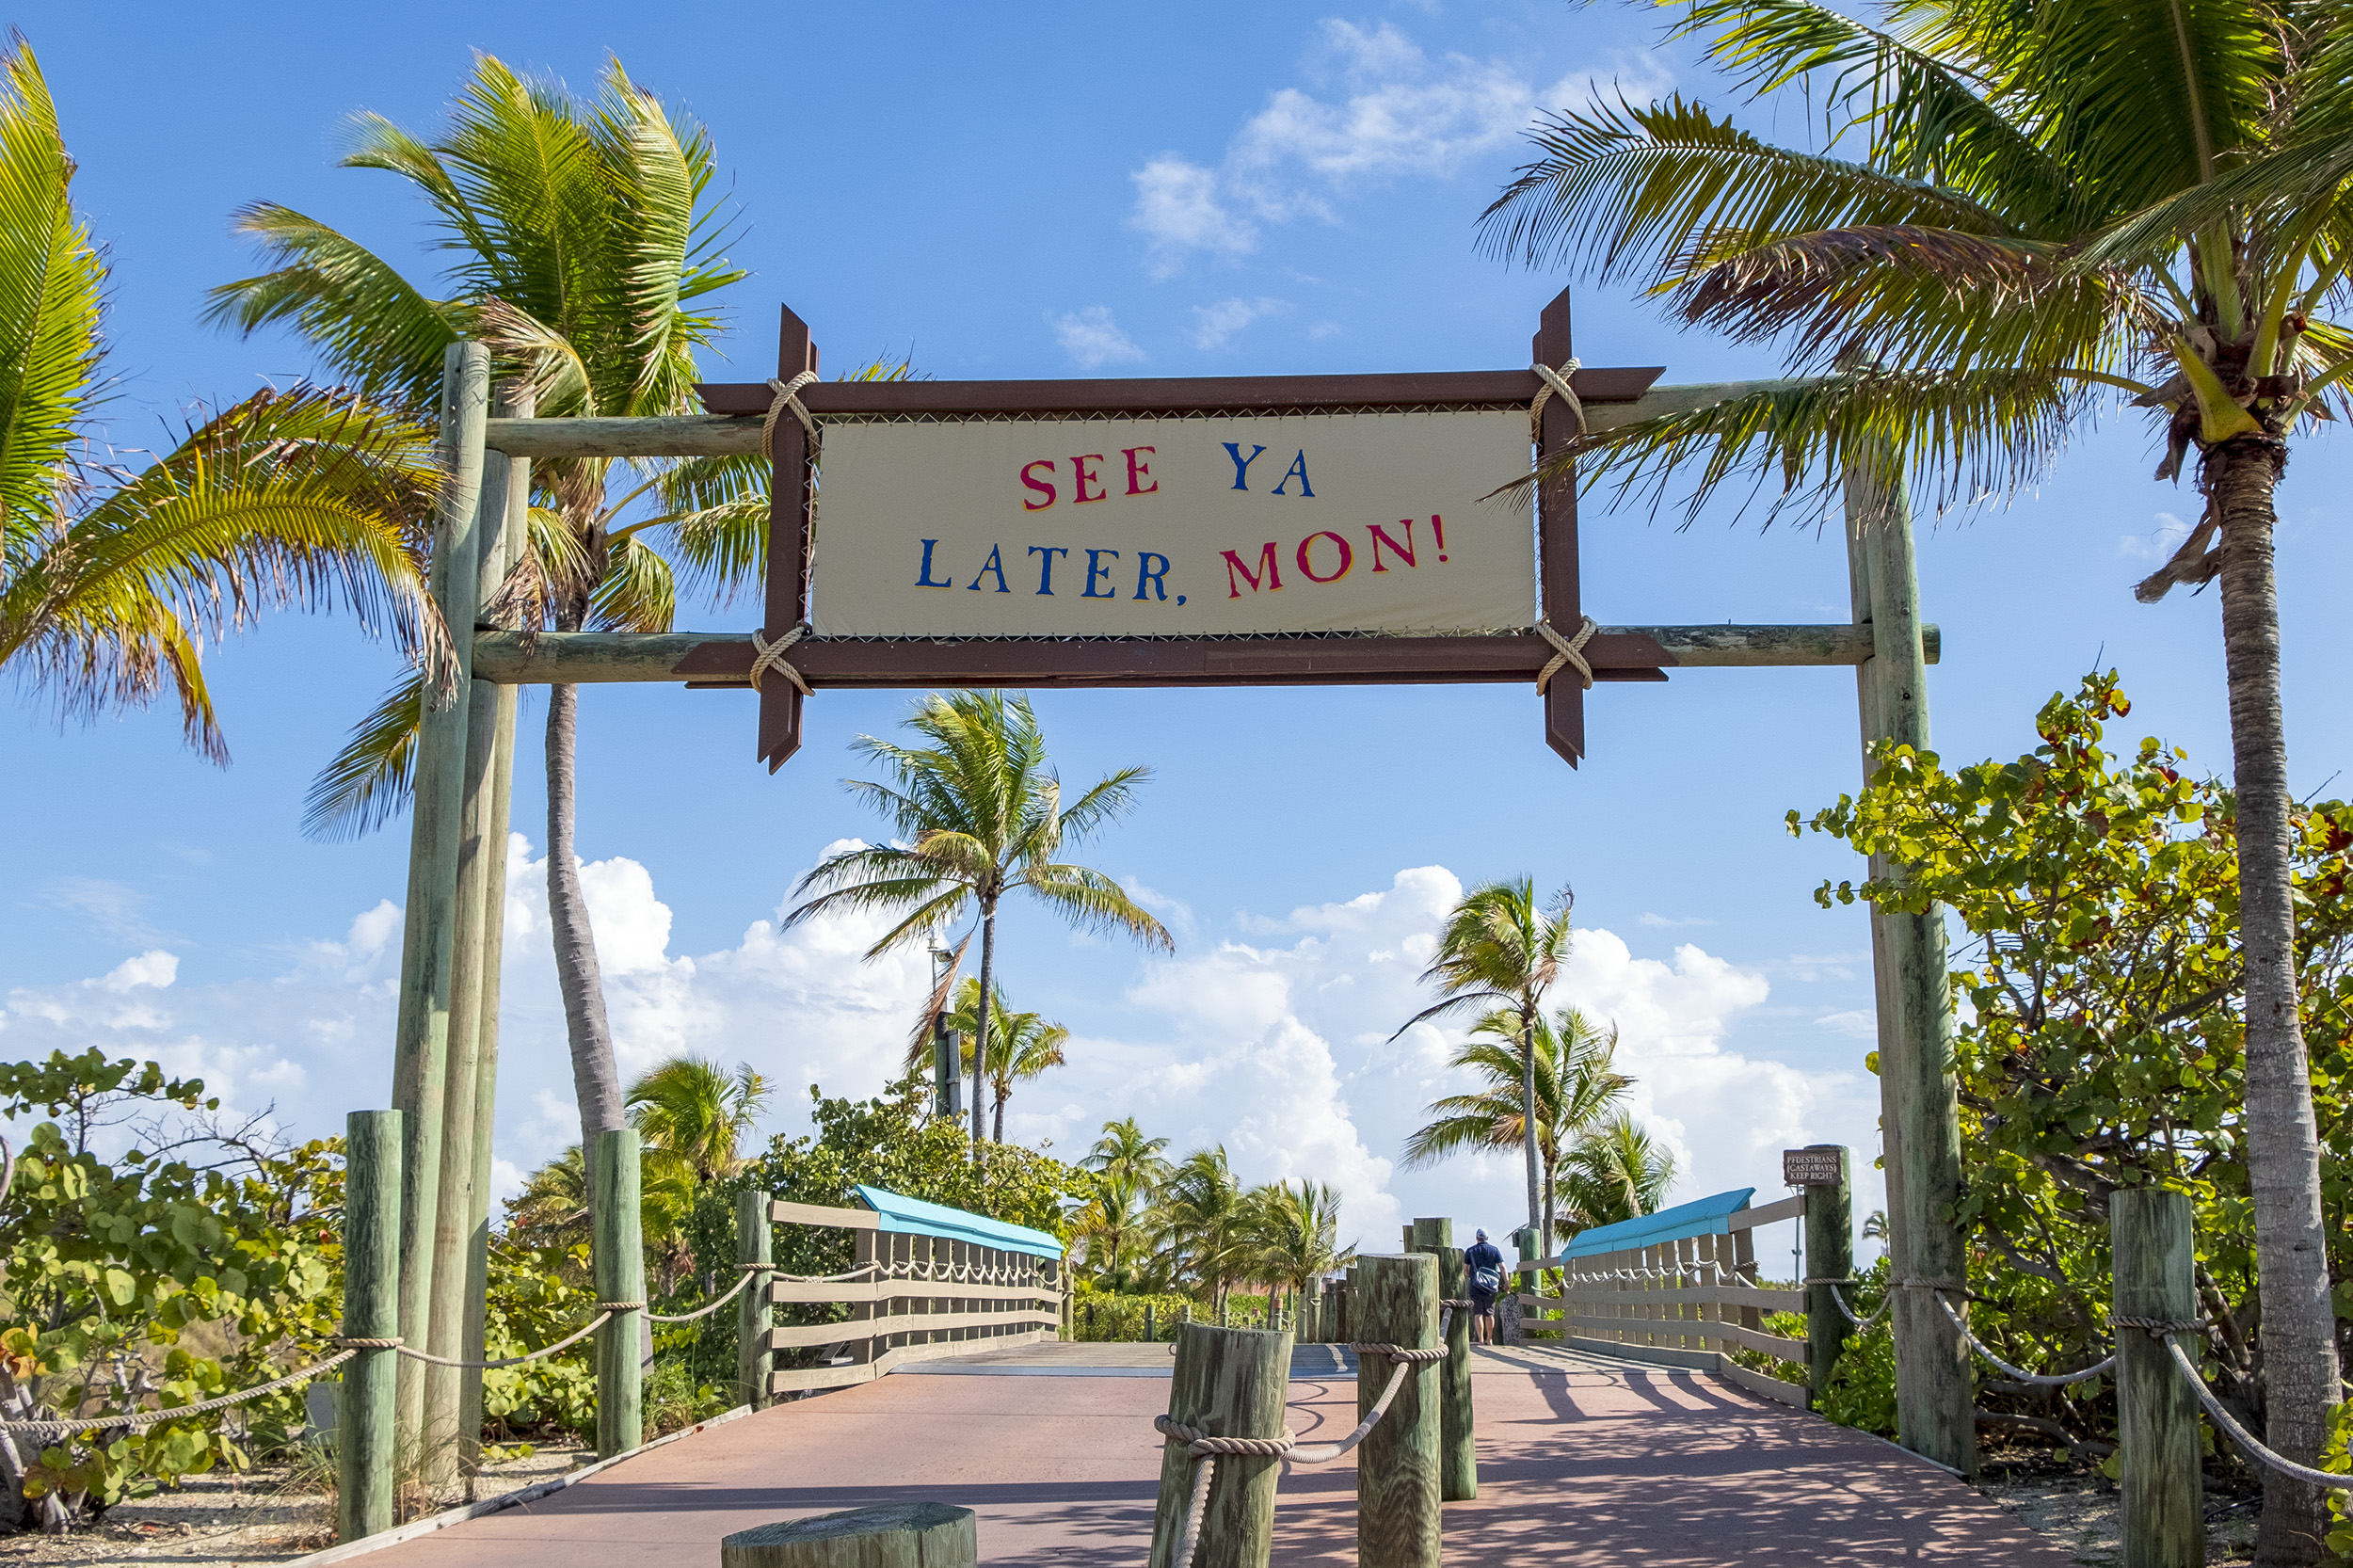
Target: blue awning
x: 1702, y: 1217
x: 914, y: 1217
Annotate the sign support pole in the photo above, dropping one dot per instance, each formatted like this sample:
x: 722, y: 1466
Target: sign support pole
x: 791, y: 493
x: 1556, y: 535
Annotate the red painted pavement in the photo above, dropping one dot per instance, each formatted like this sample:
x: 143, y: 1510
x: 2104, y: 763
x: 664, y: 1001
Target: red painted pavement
x: 1614, y: 1466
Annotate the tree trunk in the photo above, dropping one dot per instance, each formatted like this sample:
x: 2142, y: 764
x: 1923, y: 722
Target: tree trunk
x: 1552, y: 1213
x: 1527, y: 1127
x: 997, y: 1133
x: 596, y: 1082
x: 2299, y: 1352
x: 980, y: 1019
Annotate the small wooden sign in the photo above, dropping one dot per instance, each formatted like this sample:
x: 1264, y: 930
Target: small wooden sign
x: 1816, y: 1167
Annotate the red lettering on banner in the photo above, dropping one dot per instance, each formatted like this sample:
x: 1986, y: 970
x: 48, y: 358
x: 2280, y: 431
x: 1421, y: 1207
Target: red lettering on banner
x: 1306, y: 563
x: 1043, y: 487
x: 1139, y: 470
x: 1235, y: 568
x: 1380, y: 536
x: 1079, y: 467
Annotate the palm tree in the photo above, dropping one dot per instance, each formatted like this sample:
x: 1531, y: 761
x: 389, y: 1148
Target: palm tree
x: 1294, y: 1231
x: 1203, y: 1221
x: 1616, y: 1172
x: 1127, y: 1169
x: 1021, y: 1046
x: 976, y: 814
x: 1577, y: 1084
x: 583, y: 250
x: 552, y: 1211
x: 1498, y: 949
x: 694, y: 1111
x: 112, y: 579
x: 2050, y: 208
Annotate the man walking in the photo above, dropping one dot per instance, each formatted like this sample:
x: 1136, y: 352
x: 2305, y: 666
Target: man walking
x: 1484, y: 1265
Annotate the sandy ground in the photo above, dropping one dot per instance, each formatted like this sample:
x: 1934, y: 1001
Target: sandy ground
x: 270, y: 1514
x: 2079, y: 1508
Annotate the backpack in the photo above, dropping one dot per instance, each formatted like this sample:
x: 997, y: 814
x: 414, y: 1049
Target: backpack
x: 1487, y: 1279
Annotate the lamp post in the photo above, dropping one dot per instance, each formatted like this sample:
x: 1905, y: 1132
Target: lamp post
x: 947, y: 1076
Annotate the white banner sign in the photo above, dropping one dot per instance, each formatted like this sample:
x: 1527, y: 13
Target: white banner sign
x: 1174, y: 527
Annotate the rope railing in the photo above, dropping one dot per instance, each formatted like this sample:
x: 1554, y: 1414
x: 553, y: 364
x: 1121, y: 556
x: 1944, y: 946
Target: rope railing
x: 2221, y: 1415
x: 2040, y: 1380
x: 1206, y: 1447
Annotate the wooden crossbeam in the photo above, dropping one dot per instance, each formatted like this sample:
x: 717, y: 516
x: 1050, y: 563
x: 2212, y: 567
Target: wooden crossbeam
x: 723, y: 658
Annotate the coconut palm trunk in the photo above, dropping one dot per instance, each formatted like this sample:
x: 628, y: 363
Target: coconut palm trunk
x: 1536, y: 1215
x: 980, y: 1019
x: 2300, y: 1364
x: 595, y: 1081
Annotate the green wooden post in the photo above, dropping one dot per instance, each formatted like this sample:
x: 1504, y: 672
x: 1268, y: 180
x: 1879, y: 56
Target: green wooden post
x: 1935, y: 1396
x: 366, y: 1436
x: 1829, y: 1255
x: 754, y: 1242
x: 1458, y: 1451
x: 1397, y: 1465
x: 420, y: 1037
x: 2156, y: 1413
x: 1311, y: 1312
x: 1149, y: 1335
x: 498, y: 561
x: 1229, y: 1383
x: 619, y: 1258
x: 889, y: 1535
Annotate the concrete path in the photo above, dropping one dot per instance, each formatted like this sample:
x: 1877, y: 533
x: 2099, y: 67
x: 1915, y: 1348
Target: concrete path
x: 1583, y: 1460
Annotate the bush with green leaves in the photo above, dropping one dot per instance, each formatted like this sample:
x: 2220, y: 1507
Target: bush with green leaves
x: 196, y: 1262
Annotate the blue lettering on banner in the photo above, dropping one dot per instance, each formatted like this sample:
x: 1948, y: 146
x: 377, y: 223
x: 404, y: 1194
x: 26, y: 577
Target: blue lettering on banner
x: 1242, y: 464
x: 996, y: 564
x: 923, y: 578
x: 1045, y: 567
x: 1097, y: 574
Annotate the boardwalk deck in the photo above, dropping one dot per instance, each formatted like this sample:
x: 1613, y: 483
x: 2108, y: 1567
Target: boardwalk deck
x: 1584, y: 1460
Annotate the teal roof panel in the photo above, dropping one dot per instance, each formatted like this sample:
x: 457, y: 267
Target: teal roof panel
x: 1700, y: 1217
x: 908, y: 1216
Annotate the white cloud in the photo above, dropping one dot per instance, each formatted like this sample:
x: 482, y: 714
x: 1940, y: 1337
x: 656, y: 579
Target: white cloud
x: 1213, y: 324
x: 1092, y: 338
x: 1854, y: 1025
x: 1379, y: 107
x: 1670, y: 920
x: 2157, y: 545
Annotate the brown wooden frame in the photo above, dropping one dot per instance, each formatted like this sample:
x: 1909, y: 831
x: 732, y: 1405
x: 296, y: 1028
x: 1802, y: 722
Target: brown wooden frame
x: 1328, y: 660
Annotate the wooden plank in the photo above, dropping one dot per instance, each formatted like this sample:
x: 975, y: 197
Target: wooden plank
x: 1147, y: 396
x: 820, y: 1377
x: 1762, y: 1383
x: 723, y: 658
x: 1791, y: 1208
x: 904, y: 1322
x: 1777, y: 1346
x: 1697, y: 1295
x: 1657, y: 1356
x: 782, y: 1214
x: 894, y: 1290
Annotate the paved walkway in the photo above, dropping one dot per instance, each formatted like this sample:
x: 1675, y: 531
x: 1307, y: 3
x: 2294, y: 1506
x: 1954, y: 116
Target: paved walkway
x: 1583, y: 1460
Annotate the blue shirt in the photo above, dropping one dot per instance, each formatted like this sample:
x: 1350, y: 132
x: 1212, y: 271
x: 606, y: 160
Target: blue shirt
x: 1481, y: 1255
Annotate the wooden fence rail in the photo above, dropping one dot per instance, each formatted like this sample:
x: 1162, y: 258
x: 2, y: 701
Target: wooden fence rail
x: 918, y: 1297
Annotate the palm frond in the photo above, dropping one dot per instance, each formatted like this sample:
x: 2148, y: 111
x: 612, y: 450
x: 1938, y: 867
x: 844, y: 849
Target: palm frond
x: 367, y: 782
x: 52, y: 284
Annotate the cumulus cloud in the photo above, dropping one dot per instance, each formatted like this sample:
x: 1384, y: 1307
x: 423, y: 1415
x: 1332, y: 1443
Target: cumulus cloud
x: 1279, y: 1039
x: 1214, y: 324
x: 1378, y: 107
x: 2156, y: 545
x: 1092, y: 338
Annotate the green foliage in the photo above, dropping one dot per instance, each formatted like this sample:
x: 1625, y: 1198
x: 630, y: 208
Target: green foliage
x: 146, y: 1282
x: 537, y: 1297
x: 1108, y: 1317
x: 2102, y: 1043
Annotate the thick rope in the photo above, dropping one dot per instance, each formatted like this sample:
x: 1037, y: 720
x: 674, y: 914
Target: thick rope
x: 139, y: 1420
x: 1566, y: 651
x: 2221, y: 1415
x: 751, y: 1272
x: 1554, y: 381
x: 1862, y: 1326
x: 2036, y: 1379
x: 768, y: 656
x: 786, y: 397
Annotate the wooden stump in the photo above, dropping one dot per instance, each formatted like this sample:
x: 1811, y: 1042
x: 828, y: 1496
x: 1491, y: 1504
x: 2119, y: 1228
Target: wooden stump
x: 2156, y: 1413
x: 1396, y: 1466
x: 1458, y: 1454
x: 364, y: 1427
x: 891, y: 1535
x: 1229, y: 1383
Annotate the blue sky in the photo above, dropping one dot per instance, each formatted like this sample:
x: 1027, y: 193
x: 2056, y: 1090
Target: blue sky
x: 1196, y: 190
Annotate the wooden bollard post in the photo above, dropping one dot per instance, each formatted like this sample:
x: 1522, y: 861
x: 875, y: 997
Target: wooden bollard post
x: 890, y: 1535
x: 366, y: 1426
x: 1228, y: 1383
x: 1458, y: 1451
x: 1310, y: 1312
x: 754, y: 1242
x: 1148, y: 1333
x: 1396, y: 1466
x: 1829, y: 1255
x: 2156, y: 1413
x: 620, y: 1248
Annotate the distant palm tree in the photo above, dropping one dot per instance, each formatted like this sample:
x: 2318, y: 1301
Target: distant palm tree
x: 1616, y: 1172
x: 1498, y: 948
x: 976, y: 814
x: 1294, y: 1232
x: 1576, y: 1084
x: 1203, y: 1223
x: 112, y: 579
x: 694, y: 1111
x: 1021, y: 1044
x: 1126, y: 1169
x: 552, y: 1211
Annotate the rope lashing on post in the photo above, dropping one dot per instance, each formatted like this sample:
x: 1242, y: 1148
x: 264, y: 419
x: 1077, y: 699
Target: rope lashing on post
x: 1554, y: 381
x: 1205, y: 1448
x: 2169, y: 1330
x: 767, y: 656
x: 2038, y: 1379
x: 786, y: 397
x: 1566, y: 651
